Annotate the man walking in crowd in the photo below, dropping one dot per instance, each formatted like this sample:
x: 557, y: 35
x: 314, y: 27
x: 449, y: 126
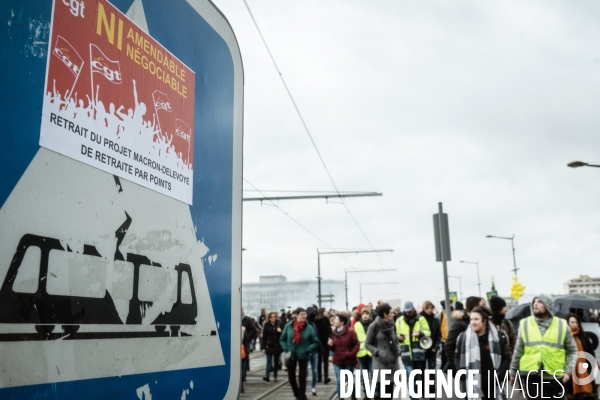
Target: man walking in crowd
x: 344, y: 345
x: 498, y: 308
x: 461, y: 321
x: 299, y: 340
x: 313, y: 361
x: 262, y: 318
x: 323, y: 334
x: 482, y: 349
x: 546, y: 343
x: 365, y: 361
x: 410, y: 328
x: 434, y: 327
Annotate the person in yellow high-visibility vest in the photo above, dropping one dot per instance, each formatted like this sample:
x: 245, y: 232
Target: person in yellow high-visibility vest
x: 410, y: 328
x: 545, y: 352
x: 365, y: 359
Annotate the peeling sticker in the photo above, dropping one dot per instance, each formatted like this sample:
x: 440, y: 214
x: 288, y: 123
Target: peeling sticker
x: 143, y: 392
x: 37, y: 43
x: 212, y: 259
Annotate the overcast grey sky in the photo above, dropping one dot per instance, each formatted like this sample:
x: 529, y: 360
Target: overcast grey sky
x: 477, y: 104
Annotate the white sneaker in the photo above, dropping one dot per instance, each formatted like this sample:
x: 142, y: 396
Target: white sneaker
x: 314, y: 391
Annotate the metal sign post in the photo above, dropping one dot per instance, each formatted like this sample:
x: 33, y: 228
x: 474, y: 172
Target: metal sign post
x: 120, y: 200
x: 442, y: 252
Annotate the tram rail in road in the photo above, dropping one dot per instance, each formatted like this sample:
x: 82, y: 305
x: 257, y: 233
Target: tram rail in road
x: 257, y: 389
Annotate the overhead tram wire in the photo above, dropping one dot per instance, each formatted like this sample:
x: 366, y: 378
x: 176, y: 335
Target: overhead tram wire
x: 296, y: 221
x: 300, y: 191
x: 306, y: 127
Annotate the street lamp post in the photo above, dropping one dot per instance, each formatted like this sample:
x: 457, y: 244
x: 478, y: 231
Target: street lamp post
x: 346, y: 272
x: 338, y: 252
x: 478, y: 280
x: 577, y: 164
x: 459, y: 284
x: 512, y: 241
x: 361, y: 284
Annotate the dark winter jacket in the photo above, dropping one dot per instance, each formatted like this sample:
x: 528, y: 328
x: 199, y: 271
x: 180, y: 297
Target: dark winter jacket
x: 505, y: 325
x: 323, y: 330
x: 270, y: 338
x: 460, y: 322
x: 434, y: 327
x: 249, y: 333
x: 345, y: 346
x: 308, y: 341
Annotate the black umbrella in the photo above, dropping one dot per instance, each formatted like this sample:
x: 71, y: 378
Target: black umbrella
x: 519, y: 312
x: 562, y: 305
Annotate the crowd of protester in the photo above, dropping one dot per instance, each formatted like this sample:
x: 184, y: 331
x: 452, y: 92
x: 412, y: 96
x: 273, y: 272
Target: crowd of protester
x: 303, y: 342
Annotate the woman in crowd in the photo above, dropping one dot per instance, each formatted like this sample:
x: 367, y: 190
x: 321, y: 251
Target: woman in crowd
x: 299, y: 340
x: 382, y: 342
x: 482, y: 347
x: 578, y: 388
x: 344, y: 345
x: 270, y: 344
x: 323, y: 333
x: 361, y: 327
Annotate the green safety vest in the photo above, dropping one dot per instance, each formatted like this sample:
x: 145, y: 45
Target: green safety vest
x: 402, y: 328
x: 548, y: 350
x: 362, y: 338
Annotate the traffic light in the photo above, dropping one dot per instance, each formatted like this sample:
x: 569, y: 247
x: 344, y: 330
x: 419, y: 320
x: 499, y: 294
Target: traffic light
x: 517, y: 290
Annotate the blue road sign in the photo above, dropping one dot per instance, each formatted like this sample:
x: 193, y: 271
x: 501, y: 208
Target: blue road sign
x: 111, y: 287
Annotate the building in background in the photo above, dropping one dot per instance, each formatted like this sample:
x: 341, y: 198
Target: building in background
x: 275, y: 292
x: 583, y: 285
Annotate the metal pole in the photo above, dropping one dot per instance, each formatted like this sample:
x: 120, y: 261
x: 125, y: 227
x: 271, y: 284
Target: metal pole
x: 346, y: 284
x: 319, y: 275
x: 512, y: 241
x: 443, y: 253
x: 478, y: 280
x: 360, y: 288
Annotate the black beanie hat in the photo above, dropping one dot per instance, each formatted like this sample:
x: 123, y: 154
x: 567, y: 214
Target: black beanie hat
x: 497, y: 304
x: 459, y: 306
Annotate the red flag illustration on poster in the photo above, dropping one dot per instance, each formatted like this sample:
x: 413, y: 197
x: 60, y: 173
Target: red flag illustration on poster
x: 72, y: 62
x: 128, y: 111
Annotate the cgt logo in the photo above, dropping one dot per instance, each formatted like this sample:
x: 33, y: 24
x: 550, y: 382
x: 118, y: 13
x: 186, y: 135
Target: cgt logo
x: 581, y: 376
x: 63, y: 55
x: 162, y: 105
x: 67, y: 54
x: 112, y: 73
x: 77, y: 7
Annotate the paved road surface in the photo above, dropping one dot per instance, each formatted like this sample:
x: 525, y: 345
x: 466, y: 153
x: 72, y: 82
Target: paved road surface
x: 257, y: 389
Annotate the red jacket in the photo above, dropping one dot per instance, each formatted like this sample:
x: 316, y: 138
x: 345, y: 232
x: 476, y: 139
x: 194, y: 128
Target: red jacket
x: 345, y: 346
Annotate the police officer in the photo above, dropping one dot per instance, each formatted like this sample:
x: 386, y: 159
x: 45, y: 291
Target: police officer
x: 544, y: 343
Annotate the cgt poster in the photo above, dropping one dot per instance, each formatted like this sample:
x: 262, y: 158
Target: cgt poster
x: 117, y: 100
